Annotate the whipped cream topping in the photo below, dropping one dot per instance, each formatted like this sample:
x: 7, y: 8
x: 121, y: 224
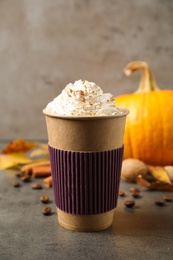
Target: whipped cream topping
x: 83, y: 98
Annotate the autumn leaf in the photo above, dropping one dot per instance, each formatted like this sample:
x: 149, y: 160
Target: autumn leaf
x: 154, y: 186
x: 169, y: 170
x: 12, y: 160
x: 38, y: 152
x: 18, y: 146
x: 42, y: 145
x: 20, y: 152
x: 160, y: 174
x: 142, y: 182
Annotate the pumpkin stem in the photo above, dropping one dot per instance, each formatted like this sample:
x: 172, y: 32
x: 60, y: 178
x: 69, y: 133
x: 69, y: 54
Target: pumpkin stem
x: 147, y: 82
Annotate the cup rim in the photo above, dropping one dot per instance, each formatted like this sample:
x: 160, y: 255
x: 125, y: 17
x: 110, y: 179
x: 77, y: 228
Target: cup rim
x: 125, y: 113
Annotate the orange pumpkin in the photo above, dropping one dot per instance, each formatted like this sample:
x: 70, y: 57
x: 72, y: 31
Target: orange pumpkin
x: 149, y: 125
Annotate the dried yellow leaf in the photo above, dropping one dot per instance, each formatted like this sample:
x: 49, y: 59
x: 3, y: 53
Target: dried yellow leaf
x: 160, y: 174
x: 12, y: 160
x: 38, y: 152
x: 142, y: 182
x: 42, y: 145
x: 169, y: 170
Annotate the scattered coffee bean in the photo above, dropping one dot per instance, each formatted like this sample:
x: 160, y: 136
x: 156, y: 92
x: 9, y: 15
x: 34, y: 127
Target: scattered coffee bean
x: 134, y: 189
x: 168, y: 198
x: 135, y: 194
x: 46, y: 211
x: 129, y: 203
x: 25, y: 178
x: 159, y: 203
x: 121, y: 193
x: 16, y: 184
x: 19, y: 174
x: 37, y: 186
x: 44, y: 199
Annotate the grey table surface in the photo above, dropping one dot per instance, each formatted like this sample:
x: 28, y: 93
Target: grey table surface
x: 145, y: 232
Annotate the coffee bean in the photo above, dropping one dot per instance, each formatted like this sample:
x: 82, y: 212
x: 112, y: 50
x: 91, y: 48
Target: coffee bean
x: 134, y: 189
x: 129, y: 203
x: 16, y: 184
x: 121, y: 193
x: 168, y: 198
x: 37, y: 186
x: 47, y: 211
x: 25, y: 178
x: 135, y: 194
x: 159, y: 203
x: 19, y: 174
x: 44, y: 199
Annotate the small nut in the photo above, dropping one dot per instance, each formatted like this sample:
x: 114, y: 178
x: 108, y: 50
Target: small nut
x: 132, y: 168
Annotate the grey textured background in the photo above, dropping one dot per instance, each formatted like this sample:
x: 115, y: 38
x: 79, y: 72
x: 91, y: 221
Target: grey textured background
x: 44, y: 45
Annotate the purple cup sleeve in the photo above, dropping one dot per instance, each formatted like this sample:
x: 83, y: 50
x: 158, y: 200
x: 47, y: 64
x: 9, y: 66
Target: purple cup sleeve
x: 86, y: 183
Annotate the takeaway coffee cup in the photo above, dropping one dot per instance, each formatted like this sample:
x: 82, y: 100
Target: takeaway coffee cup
x: 86, y: 156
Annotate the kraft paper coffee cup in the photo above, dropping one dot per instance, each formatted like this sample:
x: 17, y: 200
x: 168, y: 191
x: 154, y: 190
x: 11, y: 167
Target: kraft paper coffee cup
x: 86, y: 157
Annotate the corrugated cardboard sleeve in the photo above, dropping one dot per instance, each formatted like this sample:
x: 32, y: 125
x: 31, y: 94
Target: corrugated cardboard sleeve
x: 86, y: 182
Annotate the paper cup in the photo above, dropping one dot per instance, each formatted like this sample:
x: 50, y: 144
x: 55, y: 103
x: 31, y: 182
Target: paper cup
x: 86, y: 157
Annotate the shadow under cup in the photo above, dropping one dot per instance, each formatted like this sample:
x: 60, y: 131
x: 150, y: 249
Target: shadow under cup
x: 86, y: 156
